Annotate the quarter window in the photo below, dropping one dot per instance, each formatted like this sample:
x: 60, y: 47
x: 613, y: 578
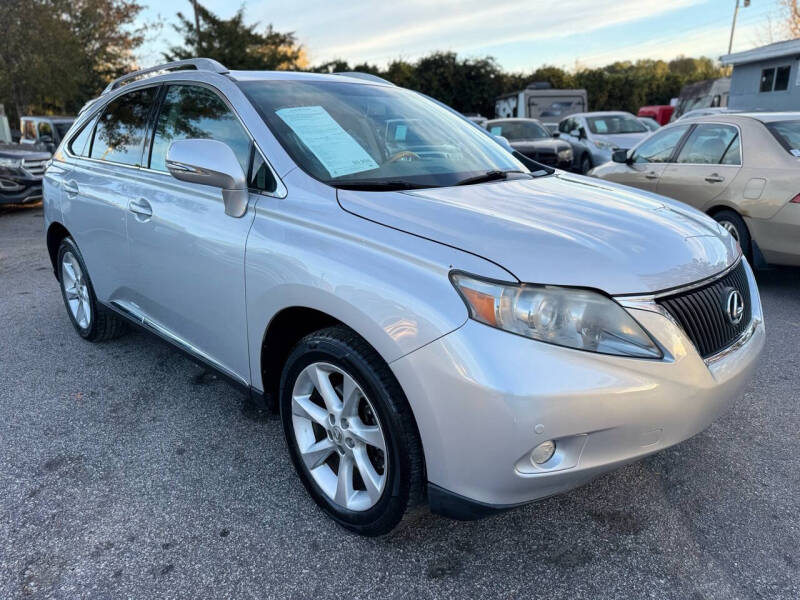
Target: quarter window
x: 659, y: 147
x: 121, y: 128
x: 709, y: 144
x: 190, y: 112
x: 80, y: 144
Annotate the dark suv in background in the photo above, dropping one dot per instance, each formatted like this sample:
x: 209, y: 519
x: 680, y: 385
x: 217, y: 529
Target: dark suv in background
x: 21, y: 171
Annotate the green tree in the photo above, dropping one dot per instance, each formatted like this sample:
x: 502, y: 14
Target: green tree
x: 56, y: 54
x: 236, y: 44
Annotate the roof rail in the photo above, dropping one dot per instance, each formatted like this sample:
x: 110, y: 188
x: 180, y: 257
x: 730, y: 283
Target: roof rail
x: 201, y: 64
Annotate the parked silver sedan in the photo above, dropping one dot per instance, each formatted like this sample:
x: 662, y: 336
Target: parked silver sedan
x: 740, y: 168
x: 595, y: 135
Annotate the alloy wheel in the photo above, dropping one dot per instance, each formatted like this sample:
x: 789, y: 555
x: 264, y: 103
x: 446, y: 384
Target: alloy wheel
x: 730, y: 228
x: 76, y: 290
x: 339, y: 436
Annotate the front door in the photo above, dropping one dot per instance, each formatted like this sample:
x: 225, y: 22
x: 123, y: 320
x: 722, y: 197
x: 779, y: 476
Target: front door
x: 187, y: 255
x: 706, y: 164
x: 649, y: 159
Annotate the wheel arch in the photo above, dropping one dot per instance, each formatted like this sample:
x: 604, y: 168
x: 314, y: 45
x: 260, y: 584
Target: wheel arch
x: 56, y: 233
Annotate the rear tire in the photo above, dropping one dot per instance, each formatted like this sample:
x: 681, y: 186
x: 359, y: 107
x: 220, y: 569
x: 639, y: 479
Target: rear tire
x: 735, y: 225
x: 329, y: 438
x: 92, y: 321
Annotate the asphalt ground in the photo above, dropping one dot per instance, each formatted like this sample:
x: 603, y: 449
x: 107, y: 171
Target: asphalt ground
x: 127, y: 471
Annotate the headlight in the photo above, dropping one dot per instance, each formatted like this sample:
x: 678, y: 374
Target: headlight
x: 10, y: 162
x: 565, y: 154
x: 604, y: 145
x: 570, y: 317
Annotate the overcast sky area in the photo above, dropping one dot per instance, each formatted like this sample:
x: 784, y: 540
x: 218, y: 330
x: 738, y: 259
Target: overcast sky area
x: 520, y: 34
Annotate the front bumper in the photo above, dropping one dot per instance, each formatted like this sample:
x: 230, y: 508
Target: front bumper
x: 17, y: 189
x: 484, y: 398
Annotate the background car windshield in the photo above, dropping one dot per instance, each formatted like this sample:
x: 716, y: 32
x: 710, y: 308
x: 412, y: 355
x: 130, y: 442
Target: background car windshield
x: 519, y: 130
x: 342, y: 133
x: 788, y: 134
x: 615, y: 124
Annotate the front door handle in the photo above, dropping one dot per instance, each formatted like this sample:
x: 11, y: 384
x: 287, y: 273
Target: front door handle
x: 141, y: 208
x: 71, y: 188
x: 715, y: 178
x: 651, y: 175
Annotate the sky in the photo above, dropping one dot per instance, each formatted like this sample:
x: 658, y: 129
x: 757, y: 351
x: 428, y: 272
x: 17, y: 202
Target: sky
x: 520, y: 34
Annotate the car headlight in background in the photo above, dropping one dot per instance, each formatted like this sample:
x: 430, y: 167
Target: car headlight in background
x: 571, y: 317
x: 605, y: 145
x: 10, y: 162
x: 565, y: 154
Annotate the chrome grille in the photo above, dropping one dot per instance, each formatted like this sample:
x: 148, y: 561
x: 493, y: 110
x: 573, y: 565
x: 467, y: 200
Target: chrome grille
x: 702, y: 311
x: 34, y: 167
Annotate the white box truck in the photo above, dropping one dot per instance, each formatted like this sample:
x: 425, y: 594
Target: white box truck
x: 540, y: 101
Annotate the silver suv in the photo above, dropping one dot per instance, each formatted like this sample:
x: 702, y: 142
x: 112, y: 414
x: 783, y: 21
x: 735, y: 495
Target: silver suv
x: 435, y: 321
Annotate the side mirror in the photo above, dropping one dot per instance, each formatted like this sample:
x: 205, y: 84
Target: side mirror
x: 620, y: 155
x: 213, y: 163
x: 556, y: 134
x: 582, y: 133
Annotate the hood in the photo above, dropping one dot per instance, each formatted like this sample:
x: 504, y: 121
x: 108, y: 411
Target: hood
x: 550, y: 144
x: 621, y: 140
x: 20, y: 151
x: 561, y: 230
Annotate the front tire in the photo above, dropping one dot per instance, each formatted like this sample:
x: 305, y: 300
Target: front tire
x: 586, y: 164
x: 350, y: 432
x: 93, y: 322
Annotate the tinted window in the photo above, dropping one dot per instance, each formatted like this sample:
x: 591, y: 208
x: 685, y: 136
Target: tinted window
x: 121, y: 128
x: 79, y: 146
x: 519, y: 130
x: 260, y: 177
x: 782, y: 78
x: 707, y: 144
x: 659, y: 146
x: 767, y: 77
x: 45, y: 129
x: 615, y: 124
x: 788, y: 134
x: 192, y: 112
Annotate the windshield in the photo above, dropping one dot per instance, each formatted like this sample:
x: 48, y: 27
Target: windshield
x: 788, y: 134
x: 352, y: 133
x: 614, y: 124
x: 518, y: 130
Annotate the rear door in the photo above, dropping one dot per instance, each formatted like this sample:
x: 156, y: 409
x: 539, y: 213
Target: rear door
x: 187, y: 255
x: 650, y: 158
x: 707, y: 161
x: 104, y: 159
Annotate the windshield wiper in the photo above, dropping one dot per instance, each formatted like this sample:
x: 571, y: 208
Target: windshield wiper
x: 487, y: 176
x: 380, y: 186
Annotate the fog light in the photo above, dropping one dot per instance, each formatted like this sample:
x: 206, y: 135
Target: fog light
x: 543, y: 452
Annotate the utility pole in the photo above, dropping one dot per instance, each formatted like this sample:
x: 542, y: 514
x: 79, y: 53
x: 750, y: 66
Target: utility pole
x: 733, y: 25
x: 197, y: 24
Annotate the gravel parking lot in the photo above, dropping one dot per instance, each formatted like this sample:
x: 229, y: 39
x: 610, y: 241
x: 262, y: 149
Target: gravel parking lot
x: 128, y: 471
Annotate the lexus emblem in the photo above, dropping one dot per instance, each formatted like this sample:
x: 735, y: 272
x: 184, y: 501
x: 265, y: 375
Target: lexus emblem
x: 734, y: 307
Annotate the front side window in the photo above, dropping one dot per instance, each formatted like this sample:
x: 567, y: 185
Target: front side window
x: 708, y: 144
x: 120, y: 131
x: 519, y: 130
x: 45, y: 129
x: 615, y: 124
x: 352, y: 134
x: 659, y: 147
x: 192, y: 112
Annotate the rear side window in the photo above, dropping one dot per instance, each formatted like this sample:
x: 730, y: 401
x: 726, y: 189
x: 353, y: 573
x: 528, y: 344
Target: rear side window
x: 120, y: 131
x: 659, y: 147
x: 191, y: 112
x: 788, y: 135
x: 80, y: 144
x: 708, y: 144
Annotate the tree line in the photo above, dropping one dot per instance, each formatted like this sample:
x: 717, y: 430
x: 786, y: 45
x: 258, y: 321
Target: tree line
x: 57, y: 54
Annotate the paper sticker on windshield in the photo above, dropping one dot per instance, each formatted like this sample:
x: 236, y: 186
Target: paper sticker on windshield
x: 496, y: 130
x: 336, y: 149
x: 400, y: 133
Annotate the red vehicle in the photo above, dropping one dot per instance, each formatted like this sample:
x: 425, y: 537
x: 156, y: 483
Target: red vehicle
x: 660, y: 113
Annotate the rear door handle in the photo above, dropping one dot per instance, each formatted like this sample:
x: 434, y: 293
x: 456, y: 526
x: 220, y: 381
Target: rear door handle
x: 71, y: 188
x: 715, y: 178
x: 141, y: 208
x: 651, y: 175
